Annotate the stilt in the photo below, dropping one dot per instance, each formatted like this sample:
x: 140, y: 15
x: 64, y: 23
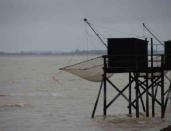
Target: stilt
x: 104, y: 87
x: 130, y: 94
x: 162, y: 97
x: 137, y: 97
x: 153, y: 96
x: 141, y: 99
x: 152, y: 77
x: 167, y: 98
x: 97, y: 100
x: 162, y: 90
x: 147, y: 97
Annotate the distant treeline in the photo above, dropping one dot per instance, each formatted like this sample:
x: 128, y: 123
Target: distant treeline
x: 76, y: 52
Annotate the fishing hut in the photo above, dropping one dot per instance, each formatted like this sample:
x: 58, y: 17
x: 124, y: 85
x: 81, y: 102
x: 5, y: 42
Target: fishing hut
x: 146, y: 74
x: 147, y: 71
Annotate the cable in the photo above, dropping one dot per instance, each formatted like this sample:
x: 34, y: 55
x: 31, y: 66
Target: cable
x: 116, y: 31
x: 152, y: 34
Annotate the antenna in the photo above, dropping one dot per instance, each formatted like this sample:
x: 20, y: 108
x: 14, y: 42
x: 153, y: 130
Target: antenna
x: 89, y: 24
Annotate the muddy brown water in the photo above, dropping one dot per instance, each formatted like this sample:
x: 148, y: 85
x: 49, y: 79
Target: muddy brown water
x: 36, y: 96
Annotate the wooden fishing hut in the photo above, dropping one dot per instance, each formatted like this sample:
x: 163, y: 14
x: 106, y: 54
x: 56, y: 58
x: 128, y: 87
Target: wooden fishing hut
x: 133, y: 56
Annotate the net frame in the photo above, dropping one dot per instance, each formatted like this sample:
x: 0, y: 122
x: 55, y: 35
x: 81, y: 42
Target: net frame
x: 91, y: 70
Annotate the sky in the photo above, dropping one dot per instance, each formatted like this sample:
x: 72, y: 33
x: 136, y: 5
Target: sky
x: 57, y: 25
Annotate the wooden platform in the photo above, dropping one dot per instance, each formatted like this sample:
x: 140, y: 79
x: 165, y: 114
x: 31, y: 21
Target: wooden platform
x: 156, y: 74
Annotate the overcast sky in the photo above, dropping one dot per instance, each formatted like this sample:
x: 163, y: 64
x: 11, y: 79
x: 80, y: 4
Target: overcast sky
x: 57, y: 25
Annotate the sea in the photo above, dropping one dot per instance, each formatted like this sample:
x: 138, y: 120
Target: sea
x: 36, y: 96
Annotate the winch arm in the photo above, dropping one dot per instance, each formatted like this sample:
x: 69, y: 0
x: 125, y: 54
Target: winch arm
x: 152, y: 34
x: 88, y: 23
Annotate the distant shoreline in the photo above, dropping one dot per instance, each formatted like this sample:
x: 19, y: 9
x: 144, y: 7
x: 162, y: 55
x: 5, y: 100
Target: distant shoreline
x: 46, y: 53
x: 49, y: 53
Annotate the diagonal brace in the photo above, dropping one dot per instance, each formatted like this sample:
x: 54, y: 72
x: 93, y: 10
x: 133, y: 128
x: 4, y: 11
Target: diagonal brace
x: 120, y: 93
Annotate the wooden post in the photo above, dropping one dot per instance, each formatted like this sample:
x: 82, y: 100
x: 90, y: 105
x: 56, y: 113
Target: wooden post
x: 136, y: 94
x: 130, y: 95
x: 152, y: 81
x: 104, y: 78
x: 97, y: 100
x: 147, y: 97
x: 162, y: 88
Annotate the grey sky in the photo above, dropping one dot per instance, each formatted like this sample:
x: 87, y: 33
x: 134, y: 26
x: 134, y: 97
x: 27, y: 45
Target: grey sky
x: 57, y: 25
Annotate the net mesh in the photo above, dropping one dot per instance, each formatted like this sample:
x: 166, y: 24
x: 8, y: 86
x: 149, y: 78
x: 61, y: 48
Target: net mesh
x: 91, y: 70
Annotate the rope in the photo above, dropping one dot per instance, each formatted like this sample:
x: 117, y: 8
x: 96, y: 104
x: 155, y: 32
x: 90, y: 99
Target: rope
x: 152, y: 34
x: 74, y: 54
x: 119, y: 31
x: 92, y: 39
x: 87, y: 39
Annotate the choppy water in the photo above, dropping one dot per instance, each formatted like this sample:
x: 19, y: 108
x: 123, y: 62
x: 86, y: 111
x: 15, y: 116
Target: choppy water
x: 36, y: 96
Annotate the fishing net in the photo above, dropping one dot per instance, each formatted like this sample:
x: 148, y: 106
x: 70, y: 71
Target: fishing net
x: 91, y: 70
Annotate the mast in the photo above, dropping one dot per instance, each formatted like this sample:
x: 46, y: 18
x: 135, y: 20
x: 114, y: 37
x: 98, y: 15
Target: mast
x: 89, y: 24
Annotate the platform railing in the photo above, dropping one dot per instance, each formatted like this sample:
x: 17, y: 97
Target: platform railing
x: 140, y: 63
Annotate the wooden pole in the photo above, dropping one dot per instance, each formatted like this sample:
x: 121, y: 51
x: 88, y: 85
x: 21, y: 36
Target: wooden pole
x: 152, y: 81
x: 136, y: 94
x: 162, y: 89
x: 104, y: 78
x: 147, y: 96
x: 130, y: 95
x: 97, y: 100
